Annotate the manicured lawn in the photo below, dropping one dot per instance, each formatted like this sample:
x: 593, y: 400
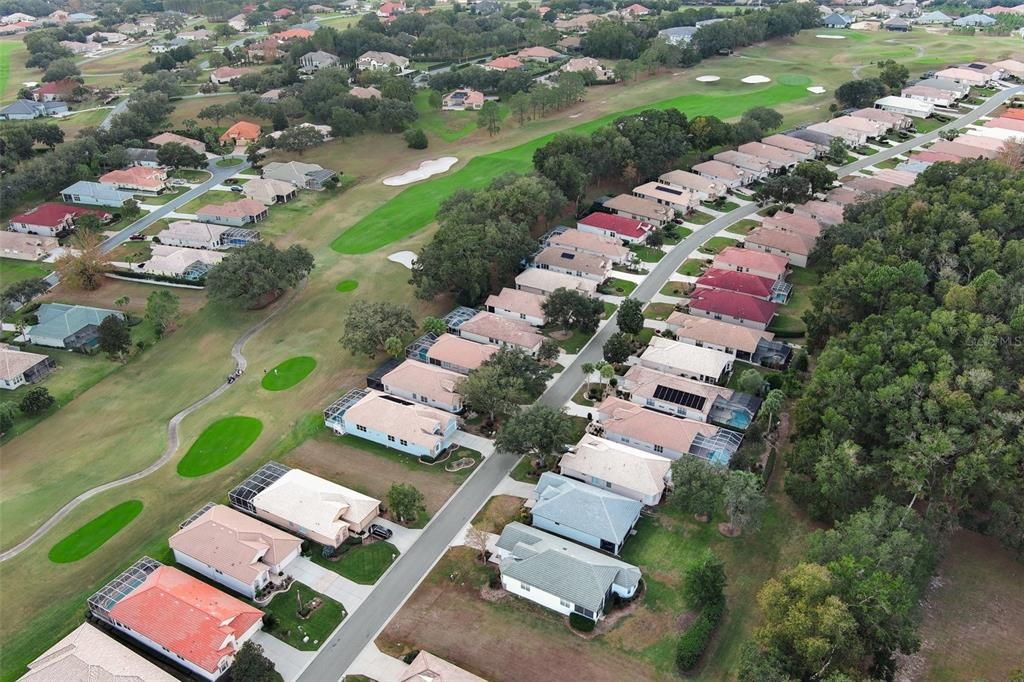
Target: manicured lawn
x: 229, y: 162
x: 364, y: 564
x: 190, y: 174
x: 164, y: 198
x: 680, y: 233
x: 743, y: 227
x: 716, y: 244
x: 219, y: 444
x: 645, y: 335
x: 499, y: 511
x: 12, y: 270
x: 787, y: 326
x: 574, y: 344
x: 580, y: 397
x: 675, y: 289
x: 722, y: 206
x: 926, y: 125
x: 92, y: 535
x: 658, y: 311
x: 618, y: 287
x: 288, y: 373
x: 346, y: 285
x: 889, y: 163
x: 699, y: 218
x: 609, y: 308
x: 292, y: 629
x: 648, y: 254
x: 409, y: 461
x: 693, y: 267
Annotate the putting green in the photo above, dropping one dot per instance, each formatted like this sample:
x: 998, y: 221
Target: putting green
x: 219, y: 444
x: 347, y: 285
x: 92, y: 535
x: 288, y: 373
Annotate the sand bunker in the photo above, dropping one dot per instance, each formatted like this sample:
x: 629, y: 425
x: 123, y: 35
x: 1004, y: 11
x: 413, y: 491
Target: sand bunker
x: 816, y: 89
x: 830, y: 37
x: 424, y: 171
x: 756, y: 79
x: 406, y: 258
x: 708, y: 79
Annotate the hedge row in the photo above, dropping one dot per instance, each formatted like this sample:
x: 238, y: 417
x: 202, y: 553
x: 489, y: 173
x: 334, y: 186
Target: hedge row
x: 694, y: 641
x: 581, y: 623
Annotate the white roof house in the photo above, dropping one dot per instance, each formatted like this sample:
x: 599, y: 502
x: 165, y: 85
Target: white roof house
x: 696, y: 362
x: 88, y: 654
x: 177, y: 261
x: 626, y: 470
x: 906, y: 105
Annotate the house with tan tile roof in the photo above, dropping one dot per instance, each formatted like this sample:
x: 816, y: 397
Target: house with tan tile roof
x: 794, y: 246
x: 630, y: 206
x: 754, y: 262
x: 623, y: 469
x: 427, y: 667
x: 705, y: 189
x: 487, y: 327
x: 844, y: 196
x: 89, y: 654
x: 269, y: 191
x: 757, y: 168
x: 516, y: 304
x: 671, y: 394
x: 727, y: 174
x: 136, y: 179
x: 851, y: 136
x: 426, y: 384
x: 893, y: 120
x: 674, y: 357
x: 456, y: 353
x: 368, y: 92
x: 790, y: 222
x: 315, y: 508
x: 538, y: 53
x: 543, y: 282
x: 681, y: 201
x: 180, y: 262
x: 589, y: 242
x: 824, y: 213
x: 166, y: 138
x: 569, y: 262
x: 806, y: 150
x: 18, y: 367
x: 741, y: 342
x: 778, y: 159
x: 869, y: 185
x: 195, y: 235
x: 413, y: 428
x: 234, y: 549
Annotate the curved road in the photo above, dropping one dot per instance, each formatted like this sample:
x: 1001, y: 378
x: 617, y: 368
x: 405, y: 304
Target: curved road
x: 173, y: 439
x: 392, y: 590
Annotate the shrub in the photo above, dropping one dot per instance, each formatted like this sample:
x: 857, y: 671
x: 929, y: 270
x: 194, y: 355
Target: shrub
x: 581, y: 623
x: 493, y: 580
x: 411, y: 656
x: 694, y: 641
x: 416, y: 138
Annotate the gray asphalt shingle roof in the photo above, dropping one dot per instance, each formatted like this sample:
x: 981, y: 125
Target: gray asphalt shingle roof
x: 578, y: 506
x: 60, y: 320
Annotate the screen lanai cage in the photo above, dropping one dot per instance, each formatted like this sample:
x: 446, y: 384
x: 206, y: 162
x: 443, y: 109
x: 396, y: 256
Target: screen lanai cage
x: 241, y: 496
x: 101, y: 603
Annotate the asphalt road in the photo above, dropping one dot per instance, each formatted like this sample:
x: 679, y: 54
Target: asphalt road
x: 365, y: 624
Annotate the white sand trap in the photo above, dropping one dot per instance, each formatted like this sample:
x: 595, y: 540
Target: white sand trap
x: 424, y: 171
x: 406, y: 258
x: 756, y: 79
x: 830, y: 37
x: 575, y: 115
x: 816, y: 89
x: 708, y: 79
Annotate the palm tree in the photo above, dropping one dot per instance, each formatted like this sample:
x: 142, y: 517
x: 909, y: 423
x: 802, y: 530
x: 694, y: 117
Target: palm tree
x: 588, y: 370
x: 607, y: 371
x: 772, y: 406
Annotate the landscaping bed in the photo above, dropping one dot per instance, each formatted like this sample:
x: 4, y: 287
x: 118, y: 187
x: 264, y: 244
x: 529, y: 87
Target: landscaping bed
x: 303, y: 632
x: 614, y: 286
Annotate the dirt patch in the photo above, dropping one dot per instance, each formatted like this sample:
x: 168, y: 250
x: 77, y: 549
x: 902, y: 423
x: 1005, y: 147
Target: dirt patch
x: 114, y: 289
x: 368, y: 473
x: 560, y: 334
x: 499, y: 511
x: 646, y: 629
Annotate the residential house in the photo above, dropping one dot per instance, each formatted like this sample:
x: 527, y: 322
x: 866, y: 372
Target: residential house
x: 107, y: 38
x: 725, y: 174
x: 94, y: 194
x: 795, y: 246
x: 271, y: 96
x: 803, y: 149
x: 302, y: 175
x: 744, y: 283
x: 778, y: 159
x: 16, y: 18
x: 569, y: 262
x: 166, y: 138
x: 819, y: 140
x: 312, y: 62
x: 369, y: 92
x: 27, y: 109
x: 679, y: 200
x: 791, y: 222
x: 824, y: 213
x: 702, y: 187
x: 916, y: 102
x: 966, y: 76
x: 80, y: 17
x: 872, y: 129
x: 543, y: 282
x: 18, y: 246
x: 294, y: 33
x: 843, y: 196
x: 1014, y: 124
x: 181, y: 263
x: 755, y: 346
x: 869, y: 185
x: 852, y: 137
x: 234, y: 549
x: 18, y: 368
x: 374, y: 60
x: 634, y: 11
x: 581, y: 23
x: 427, y: 384
x: 622, y: 469
x: 313, y: 507
x: 402, y: 425
x: 756, y: 168
x: 227, y: 74
x: 195, y: 235
x: 754, y: 262
x: 674, y: 395
x: 233, y: 214
x: 672, y: 357
x: 975, y: 20
x: 56, y: 91
x: 390, y: 10
x: 583, y: 513
x: 678, y: 34
x: 458, y: 354
x: 625, y: 229
x: 570, y: 43
x: 137, y: 179
x: 504, y: 64
x: 932, y: 18
x: 644, y: 210
x: 583, y: 64
x: 143, y: 157
x: 283, y: 13
x: 79, y: 49
x: 1011, y: 67
x: 961, y: 150
x: 732, y: 307
x: 268, y: 191
x: 989, y: 139
x: 538, y: 54
x: 427, y: 667
x: 462, y: 100
x: 837, y: 20
x: 238, y: 23
x: 893, y: 120
x: 961, y: 90
x: 662, y: 434
x: 897, y: 24
x: 242, y: 133
x: 87, y: 653
x: 267, y: 50
x: 494, y: 329
x: 197, y: 35
x: 516, y: 304
x: 590, y: 243
x: 561, y: 575
x: 55, y: 220
x: 155, y: 605
x: 899, y: 178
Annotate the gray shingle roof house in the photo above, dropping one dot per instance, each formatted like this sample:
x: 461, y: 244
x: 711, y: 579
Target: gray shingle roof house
x: 304, y: 175
x: 561, y: 575
x: 591, y: 516
x: 678, y: 34
x: 837, y: 20
x: 26, y: 109
x: 933, y: 18
x: 811, y: 136
x: 314, y: 61
x: 73, y: 327
x: 94, y: 194
x: 142, y: 157
x: 975, y: 20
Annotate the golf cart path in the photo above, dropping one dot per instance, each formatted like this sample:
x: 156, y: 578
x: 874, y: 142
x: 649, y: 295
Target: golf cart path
x: 173, y: 438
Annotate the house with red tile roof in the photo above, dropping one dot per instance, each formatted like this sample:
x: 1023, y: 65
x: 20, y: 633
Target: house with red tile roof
x: 390, y: 9
x: 179, y: 617
x: 137, y: 179
x: 629, y: 230
x: 504, y: 64
x: 226, y: 74
x: 283, y: 13
x: 728, y: 306
x: 753, y: 262
x: 538, y: 54
x: 634, y: 10
x: 795, y: 246
x: 242, y: 132
x: 55, y: 91
x: 166, y: 138
x: 292, y: 34
x: 52, y: 219
x: 739, y: 282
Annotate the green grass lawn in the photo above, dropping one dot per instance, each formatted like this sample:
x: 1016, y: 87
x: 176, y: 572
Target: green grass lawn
x: 721, y: 206
x: 190, y: 174
x: 609, y: 308
x: 12, y: 270
x: 675, y: 289
x: 229, y: 162
x: 219, y: 444
x: 658, y: 311
x: 618, y: 287
x: 580, y: 398
x: 787, y: 326
x: 92, y: 535
x: 645, y: 335
x: 346, y: 285
x: 648, y: 254
x: 693, y: 267
x: 164, y: 198
x: 716, y: 244
x: 699, y: 218
x: 288, y: 373
x: 291, y: 628
x: 363, y: 564
x: 574, y: 344
x: 889, y: 163
x: 409, y: 461
x: 743, y: 227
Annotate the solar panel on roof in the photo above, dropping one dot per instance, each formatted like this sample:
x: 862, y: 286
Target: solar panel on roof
x: 677, y: 397
x: 669, y: 190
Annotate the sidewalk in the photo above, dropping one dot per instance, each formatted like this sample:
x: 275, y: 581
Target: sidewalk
x: 485, y: 446
x: 289, y: 661
x: 373, y: 663
x: 349, y: 593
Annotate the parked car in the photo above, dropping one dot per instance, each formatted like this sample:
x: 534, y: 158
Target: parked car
x: 379, y: 531
x: 138, y: 237
x: 236, y: 188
